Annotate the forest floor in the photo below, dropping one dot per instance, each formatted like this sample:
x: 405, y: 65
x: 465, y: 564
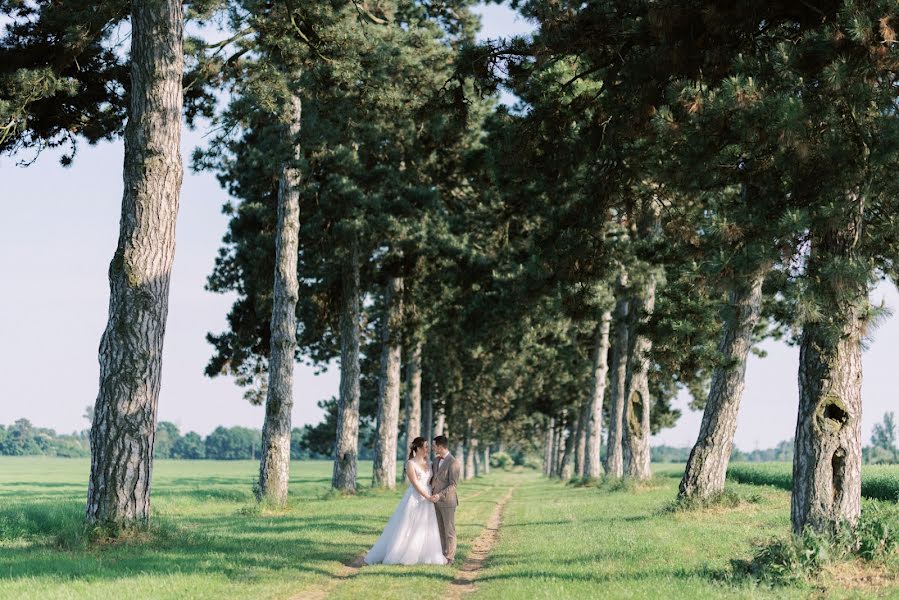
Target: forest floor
x: 520, y: 536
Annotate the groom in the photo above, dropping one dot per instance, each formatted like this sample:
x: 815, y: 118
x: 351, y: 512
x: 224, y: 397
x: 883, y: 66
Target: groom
x: 444, y: 479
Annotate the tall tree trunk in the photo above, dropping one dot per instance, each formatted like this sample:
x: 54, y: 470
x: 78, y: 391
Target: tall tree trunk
x: 487, y: 459
x: 384, y: 473
x: 580, y: 439
x: 440, y: 424
x: 475, y: 450
x: 548, y: 454
x: 561, y: 428
x: 593, y: 434
x: 413, y: 406
x: 346, y: 447
x: 827, y: 457
x: 637, y: 400
x: 124, y: 427
x: 618, y: 380
x: 468, y: 471
x: 428, y: 420
x: 565, y: 462
x: 274, y: 463
x: 707, y: 465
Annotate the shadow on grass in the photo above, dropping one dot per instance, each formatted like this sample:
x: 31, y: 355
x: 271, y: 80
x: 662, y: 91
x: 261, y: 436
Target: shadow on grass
x: 48, y: 539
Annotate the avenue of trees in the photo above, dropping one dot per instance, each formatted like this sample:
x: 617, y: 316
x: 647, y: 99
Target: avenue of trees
x: 677, y: 181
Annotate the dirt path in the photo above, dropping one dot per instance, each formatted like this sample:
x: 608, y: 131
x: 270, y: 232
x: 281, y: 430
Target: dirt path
x: 464, y: 582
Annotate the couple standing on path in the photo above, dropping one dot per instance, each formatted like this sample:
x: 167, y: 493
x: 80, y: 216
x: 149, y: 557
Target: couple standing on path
x: 422, y: 529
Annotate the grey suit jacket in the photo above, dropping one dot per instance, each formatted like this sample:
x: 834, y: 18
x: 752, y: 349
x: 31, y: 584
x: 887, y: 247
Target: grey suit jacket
x: 445, y: 480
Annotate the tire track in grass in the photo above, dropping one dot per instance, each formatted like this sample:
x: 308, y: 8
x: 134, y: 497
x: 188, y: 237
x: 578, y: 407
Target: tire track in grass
x: 466, y: 577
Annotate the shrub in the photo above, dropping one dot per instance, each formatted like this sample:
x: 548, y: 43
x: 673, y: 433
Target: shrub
x: 501, y: 460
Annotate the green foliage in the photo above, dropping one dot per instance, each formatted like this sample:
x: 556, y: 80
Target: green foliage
x: 802, y: 558
x: 233, y: 443
x: 725, y: 499
x: 22, y: 439
x: 501, y: 460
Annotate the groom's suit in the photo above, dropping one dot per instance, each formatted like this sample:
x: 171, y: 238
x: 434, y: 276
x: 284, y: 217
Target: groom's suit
x: 443, y: 482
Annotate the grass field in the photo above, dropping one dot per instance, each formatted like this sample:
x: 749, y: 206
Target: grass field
x: 555, y: 541
x: 879, y: 482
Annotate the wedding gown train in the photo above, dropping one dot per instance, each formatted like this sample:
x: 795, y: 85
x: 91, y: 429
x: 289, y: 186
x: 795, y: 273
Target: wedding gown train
x: 411, y: 535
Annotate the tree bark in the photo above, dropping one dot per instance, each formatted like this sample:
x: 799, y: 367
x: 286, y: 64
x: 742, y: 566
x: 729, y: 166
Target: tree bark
x: 470, y: 452
x: 487, y: 459
x: 565, y: 462
x: 384, y: 474
x: 413, y: 406
x: 428, y: 421
x: 580, y: 439
x: 124, y: 426
x: 440, y: 424
x: 475, y: 450
x: 548, y: 453
x: 827, y: 457
x: 274, y: 463
x: 618, y: 380
x: 707, y: 465
x: 637, y: 400
x: 346, y: 447
x: 593, y: 433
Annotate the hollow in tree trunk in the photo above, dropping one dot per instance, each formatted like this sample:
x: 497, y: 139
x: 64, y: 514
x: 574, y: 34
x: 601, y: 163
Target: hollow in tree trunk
x: 707, y: 465
x: 637, y: 400
x: 593, y: 437
x: 346, y: 447
x: 123, y: 430
x: 827, y: 457
x: 384, y: 473
x: 618, y: 380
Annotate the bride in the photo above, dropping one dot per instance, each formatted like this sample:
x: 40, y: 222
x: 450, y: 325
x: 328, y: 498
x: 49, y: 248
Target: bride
x: 411, y: 535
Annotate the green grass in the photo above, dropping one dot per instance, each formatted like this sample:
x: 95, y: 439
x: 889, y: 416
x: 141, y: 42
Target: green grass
x: 557, y: 540
x: 589, y: 542
x: 879, y: 482
x: 209, y: 541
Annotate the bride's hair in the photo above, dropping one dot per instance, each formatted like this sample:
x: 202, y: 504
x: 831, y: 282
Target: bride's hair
x: 417, y: 443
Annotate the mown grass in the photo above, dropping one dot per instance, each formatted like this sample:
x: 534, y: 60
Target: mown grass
x: 561, y: 541
x: 209, y: 540
x: 879, y: 482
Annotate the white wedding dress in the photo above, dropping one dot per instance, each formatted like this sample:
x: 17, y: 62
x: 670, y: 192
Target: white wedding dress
x: 411, y: 535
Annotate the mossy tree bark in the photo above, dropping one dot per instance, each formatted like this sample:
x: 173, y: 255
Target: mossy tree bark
x: 274, y: 464
x: 346, y: 448
x: 827, y: 458
x: 707, y: 465
x: 618, y: 380
x: 124, y: 424
x: 384, y: 473
x: 593, y: 438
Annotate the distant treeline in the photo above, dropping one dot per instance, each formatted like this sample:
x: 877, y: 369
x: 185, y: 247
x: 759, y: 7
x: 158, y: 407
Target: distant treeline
x: 224, y: 443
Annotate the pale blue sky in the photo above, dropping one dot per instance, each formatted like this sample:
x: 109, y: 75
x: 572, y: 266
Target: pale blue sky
x: 57, y: 234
